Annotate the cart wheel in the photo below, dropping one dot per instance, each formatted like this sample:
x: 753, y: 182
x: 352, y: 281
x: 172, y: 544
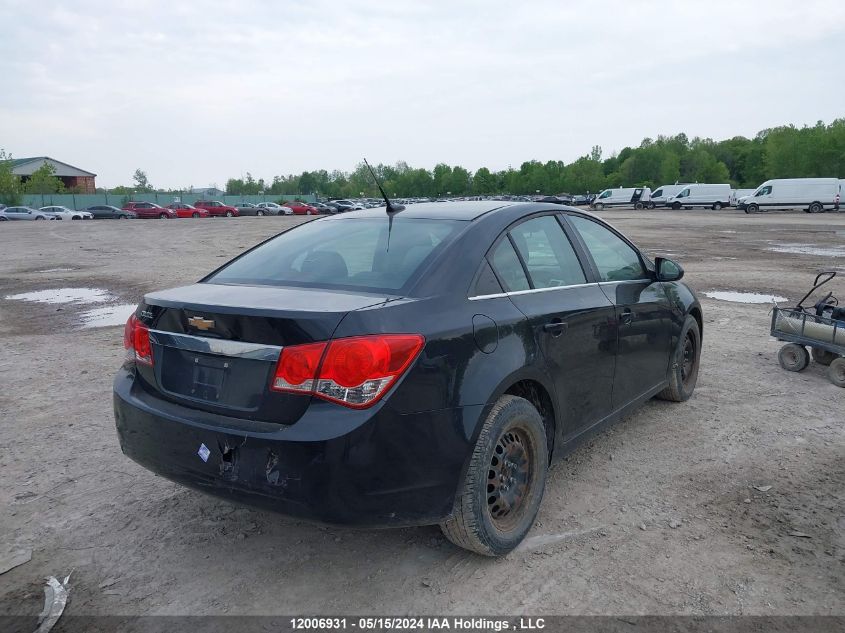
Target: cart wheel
x: 793, y: 357
x: 836, y: 372
x: 822, y: 356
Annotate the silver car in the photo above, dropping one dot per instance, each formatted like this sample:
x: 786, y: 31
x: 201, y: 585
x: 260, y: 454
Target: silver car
x: 23, y: 213
x: 247, y: 208
x: 63, y: 213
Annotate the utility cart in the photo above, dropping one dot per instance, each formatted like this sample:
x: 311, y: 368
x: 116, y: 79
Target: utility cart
x: 820, y: 328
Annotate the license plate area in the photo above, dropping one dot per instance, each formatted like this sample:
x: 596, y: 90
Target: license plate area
x: 224, y: 381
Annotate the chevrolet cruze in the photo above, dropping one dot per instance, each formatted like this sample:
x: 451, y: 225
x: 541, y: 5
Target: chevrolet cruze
x: 419, y: 367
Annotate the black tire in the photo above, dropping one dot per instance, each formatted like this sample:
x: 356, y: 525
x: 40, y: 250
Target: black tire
x: 794, y: 357
x: 481, y: 522
x: 717, y: 206
x: 816, y: 207
x: 3, y: 219
x: 123, y: 217
x: 676, y: 205
x: 229, y: 214
x: 836, y: 372
x: 822, y: 356
x: 163, y: 216
x: 195, y: 214
x: 683, y: 371
x: 638, y: 206
x: 650, y: 205
x: 752, y: 208
x: 598, y: 206
x: 259, y: 213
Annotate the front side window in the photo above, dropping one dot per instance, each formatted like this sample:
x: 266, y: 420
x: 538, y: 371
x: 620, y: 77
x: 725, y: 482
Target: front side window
x: 764, y: 191
x: 683, y: 194
x: 508, y: 267
x: 615, y: 259
x: 604, y: 194
x: 657, y: 193
x: 549, y: 257
x: 363, y: 254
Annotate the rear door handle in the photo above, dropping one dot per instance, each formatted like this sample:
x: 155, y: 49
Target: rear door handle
x: 626, y: 317
x: 556, y: 327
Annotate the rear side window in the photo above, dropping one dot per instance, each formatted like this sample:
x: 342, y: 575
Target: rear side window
x: 485, y: 282
x: 549, y: 257
x: 360, y: 254
x: 508, y: 267
x: 615, y: 259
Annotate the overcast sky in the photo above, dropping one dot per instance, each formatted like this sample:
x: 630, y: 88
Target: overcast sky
x: 199, y: 93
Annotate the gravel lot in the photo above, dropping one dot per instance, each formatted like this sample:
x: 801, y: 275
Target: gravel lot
x: 660, y: 515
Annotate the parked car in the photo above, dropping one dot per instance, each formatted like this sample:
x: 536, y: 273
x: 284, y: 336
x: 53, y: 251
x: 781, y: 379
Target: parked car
x: 150, y: 210
x: 106, y: 211
x: 279, y: 209
x: 323, y: 208
x: 64, y: 213
x: 556, y: 199
x: 328, y: 376
x: 661, y: 195
x: 584, y: 199
x: 343, y: 205
x: 24, y: 213
x: 217, y: 208
x: 302, y: 208
x: 185, y: 210
x: 248, y: 208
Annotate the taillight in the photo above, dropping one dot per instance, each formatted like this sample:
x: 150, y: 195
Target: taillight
x: 136, y: 340
x: 355, y: 372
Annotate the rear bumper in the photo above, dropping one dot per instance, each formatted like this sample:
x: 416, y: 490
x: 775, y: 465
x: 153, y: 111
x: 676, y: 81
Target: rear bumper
x: 371, y: 468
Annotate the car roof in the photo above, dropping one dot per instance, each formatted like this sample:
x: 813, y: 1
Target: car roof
x: 465, y: 210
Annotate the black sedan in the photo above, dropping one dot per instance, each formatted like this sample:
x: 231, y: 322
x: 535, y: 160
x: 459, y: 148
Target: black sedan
x: 422, y: 367
x: 108, y: 212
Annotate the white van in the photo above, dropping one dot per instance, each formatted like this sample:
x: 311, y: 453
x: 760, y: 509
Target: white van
x: 737, y: 194
x: 814, y: 195
x: 660, y: 195
x: 701, y: 195
x: 636, y: 197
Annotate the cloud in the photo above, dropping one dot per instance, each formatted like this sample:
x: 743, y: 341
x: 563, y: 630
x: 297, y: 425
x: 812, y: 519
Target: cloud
x: 198, y: 92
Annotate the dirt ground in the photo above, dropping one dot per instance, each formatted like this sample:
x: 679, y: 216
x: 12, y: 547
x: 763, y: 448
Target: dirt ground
x: 660, y: 515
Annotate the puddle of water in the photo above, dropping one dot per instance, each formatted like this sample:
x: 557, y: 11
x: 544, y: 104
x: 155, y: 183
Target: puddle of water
x: 743, y: 297
x: 65, y: 295
x: 807, y: 249
x: 107, y: 316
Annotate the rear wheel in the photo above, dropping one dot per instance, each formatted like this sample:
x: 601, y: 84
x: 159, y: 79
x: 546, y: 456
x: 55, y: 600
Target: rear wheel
x: 639, y: 205
x: 123, y: 217
x: 40, y: 217
x: 793, y: 357
x: 836, y: 372
x: 683, y: 372
x: 717, y: 206
x: 822, y: 356
x: 816, y: 207
x: 259, y: 212
x: 503, y: 488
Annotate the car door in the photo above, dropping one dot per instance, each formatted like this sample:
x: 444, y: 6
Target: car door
x: 642, y: 307
x: 570, y: 317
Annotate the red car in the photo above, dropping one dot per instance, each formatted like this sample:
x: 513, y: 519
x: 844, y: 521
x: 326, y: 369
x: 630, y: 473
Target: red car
x: 217, y: 208
x: 302, y: 208
x: 150, y: 210
x: 184, y: 210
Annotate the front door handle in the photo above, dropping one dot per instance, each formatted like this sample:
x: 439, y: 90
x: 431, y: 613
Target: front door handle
x: 556, y: 327
x: 626, y: 317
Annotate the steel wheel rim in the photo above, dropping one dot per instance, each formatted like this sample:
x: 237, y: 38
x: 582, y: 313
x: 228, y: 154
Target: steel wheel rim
x: 790, y: 356
x: 509, y: 478
x: 688, y: 358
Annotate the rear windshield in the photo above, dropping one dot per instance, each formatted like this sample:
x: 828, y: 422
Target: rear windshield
x: 349, y: 254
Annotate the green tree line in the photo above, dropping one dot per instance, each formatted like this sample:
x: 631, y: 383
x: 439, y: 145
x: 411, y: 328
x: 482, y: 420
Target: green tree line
x: 781, y: 152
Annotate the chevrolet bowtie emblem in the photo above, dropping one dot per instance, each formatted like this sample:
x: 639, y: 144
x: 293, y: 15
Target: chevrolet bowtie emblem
x: 200, y: 323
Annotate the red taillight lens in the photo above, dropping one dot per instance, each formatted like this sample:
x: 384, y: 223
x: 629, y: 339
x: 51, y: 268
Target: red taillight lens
x: 297, y: 367
x: 136, y: 340
x: 355, y: 372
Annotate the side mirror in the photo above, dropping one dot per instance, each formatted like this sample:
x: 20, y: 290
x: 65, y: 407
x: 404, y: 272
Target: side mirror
x: 667, y: 270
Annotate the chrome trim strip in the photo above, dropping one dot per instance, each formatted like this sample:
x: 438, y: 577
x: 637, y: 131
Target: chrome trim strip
x: 499, y: 295
x: 221, y: 347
